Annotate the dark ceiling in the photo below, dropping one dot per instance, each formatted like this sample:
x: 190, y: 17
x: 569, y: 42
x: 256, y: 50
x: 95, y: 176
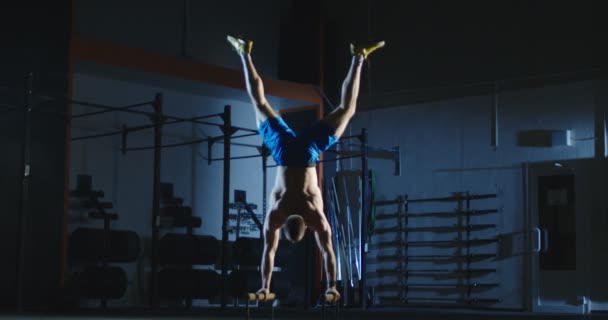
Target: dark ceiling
x: 435, y: 43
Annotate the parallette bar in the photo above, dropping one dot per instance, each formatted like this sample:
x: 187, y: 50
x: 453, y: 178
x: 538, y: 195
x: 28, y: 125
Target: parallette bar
x: 260, y: 297
x: 330, y: 298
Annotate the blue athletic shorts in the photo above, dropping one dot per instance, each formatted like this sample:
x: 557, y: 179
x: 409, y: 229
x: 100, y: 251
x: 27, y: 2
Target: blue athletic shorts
x: 289, y: 149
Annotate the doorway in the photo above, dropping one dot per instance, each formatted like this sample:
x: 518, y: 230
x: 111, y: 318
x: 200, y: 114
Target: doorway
x: 560, y: 206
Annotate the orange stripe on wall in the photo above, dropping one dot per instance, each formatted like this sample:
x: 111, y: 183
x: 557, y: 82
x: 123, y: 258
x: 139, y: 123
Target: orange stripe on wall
x: 139, y: 59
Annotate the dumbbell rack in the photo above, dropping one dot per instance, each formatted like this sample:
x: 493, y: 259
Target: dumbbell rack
x: 403, y: 258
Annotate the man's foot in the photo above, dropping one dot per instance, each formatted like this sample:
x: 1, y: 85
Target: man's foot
x: 365, y: 50
x: 239, y: 45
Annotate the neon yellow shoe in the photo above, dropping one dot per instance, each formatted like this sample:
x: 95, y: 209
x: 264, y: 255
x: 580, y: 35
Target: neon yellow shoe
x: 239, y: 45
x: 365, y: 49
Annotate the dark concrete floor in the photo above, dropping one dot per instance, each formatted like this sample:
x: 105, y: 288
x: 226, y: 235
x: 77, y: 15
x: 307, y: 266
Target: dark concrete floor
x: 346, y: 314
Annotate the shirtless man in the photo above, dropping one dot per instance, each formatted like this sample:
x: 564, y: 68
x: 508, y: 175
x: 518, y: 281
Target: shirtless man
x: 296, y: 202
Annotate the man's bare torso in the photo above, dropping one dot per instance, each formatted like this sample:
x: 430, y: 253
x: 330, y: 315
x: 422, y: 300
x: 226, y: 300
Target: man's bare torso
x: 296, y: 191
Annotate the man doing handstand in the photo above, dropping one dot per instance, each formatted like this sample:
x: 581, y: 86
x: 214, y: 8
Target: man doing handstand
x: 295, y: 201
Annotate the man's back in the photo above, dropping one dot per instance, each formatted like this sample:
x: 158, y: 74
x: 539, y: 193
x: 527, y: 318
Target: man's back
x: 296, y: 191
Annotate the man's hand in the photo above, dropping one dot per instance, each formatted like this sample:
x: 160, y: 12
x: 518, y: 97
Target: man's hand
x: 264, y: 292
x: 333, y: 291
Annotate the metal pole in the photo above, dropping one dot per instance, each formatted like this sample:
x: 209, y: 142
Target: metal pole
x: 158, y: 123
x: 227, y: 128
x: 363, y: 218
x: 25, y: 188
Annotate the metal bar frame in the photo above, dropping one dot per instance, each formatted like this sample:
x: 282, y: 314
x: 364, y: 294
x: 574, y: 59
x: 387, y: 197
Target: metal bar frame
x: 453, y: 228
x: 104, y: 107
x: 171, y: 145
x: 433, y: 271
x: 99, y: 135
x: 126, y: 130
x: 438, y: 285
x: 437, y: 256
x: 152, y: 115
x: 440, y: 242
x: 455, y: 198
x: 464, y: 209
x: 446, y: 213
x: 228, y: 131
x: 158, y: 126
x: 123, y: 108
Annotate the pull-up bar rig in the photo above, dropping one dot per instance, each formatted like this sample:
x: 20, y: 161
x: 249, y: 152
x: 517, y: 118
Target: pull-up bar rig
x: 159, y: 120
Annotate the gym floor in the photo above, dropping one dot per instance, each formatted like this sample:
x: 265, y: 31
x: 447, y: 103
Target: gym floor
x: 350, y: 314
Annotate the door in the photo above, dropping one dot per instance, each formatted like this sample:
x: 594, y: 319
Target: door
x: 559, y: 207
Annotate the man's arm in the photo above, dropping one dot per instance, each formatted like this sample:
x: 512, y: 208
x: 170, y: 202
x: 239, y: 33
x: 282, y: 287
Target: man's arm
x: 323, y: 237
x: 271, y: 242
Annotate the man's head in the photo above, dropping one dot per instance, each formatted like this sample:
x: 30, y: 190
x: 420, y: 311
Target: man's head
x: 294, y: 228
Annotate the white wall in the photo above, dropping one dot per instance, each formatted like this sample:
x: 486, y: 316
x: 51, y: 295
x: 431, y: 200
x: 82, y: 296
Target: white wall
x: 446, y: 148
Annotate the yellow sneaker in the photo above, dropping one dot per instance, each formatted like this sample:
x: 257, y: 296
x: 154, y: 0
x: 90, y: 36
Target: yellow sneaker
x: 366, y: 49
x: 239, y: 45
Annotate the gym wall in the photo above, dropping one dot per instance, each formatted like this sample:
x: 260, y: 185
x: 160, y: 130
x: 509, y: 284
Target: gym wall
x: 446, y: 147
x: 431, y: 92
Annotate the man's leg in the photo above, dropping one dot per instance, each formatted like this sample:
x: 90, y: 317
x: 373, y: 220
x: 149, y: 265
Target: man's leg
x: 339, y: 118
x: 253, y: 82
